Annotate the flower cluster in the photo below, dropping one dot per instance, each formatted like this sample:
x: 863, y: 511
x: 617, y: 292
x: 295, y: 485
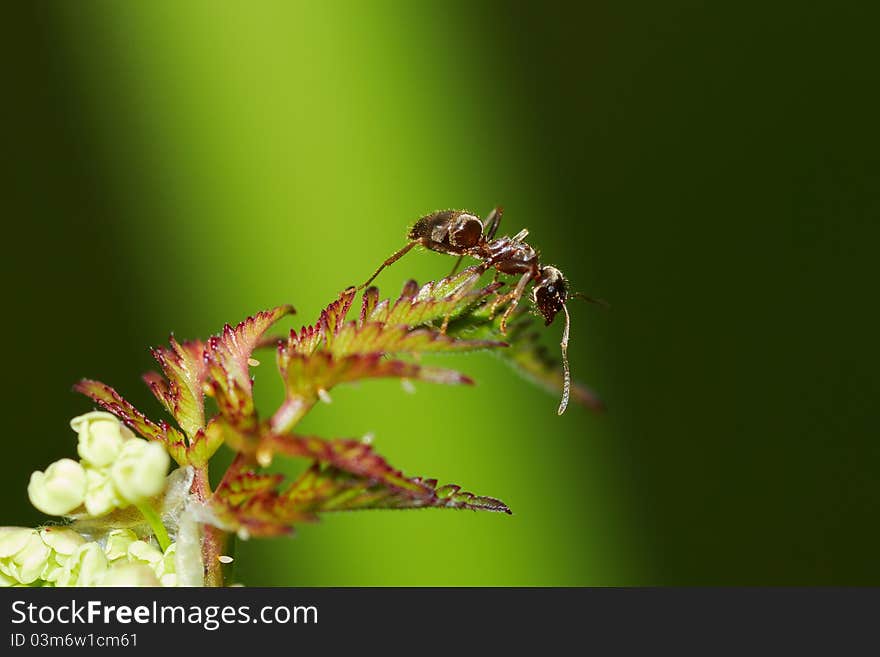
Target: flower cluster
x: 59, y: 556
x: 115, y: 470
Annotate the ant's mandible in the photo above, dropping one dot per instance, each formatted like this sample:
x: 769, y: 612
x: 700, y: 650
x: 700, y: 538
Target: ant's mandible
x: 461, y: 233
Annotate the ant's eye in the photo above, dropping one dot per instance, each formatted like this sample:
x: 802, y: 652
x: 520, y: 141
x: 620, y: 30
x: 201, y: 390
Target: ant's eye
x: 551, y: 290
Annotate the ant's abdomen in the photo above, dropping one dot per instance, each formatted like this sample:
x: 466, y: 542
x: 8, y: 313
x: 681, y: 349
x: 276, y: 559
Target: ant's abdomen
x: 448, y: 231
x: 433, y: 227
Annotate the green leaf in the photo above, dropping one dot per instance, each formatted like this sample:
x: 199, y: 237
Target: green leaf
x: 312, y: 338
x: 248, y: 503
x: 375, y: 337
x: 347, y: 475
x: 227, y: 357
x: 433, y: 302
x: 238, y: 490
x: 205, y: 443
x: 383, y: 326
x: 182, y: 391
x: 323, y: 489
x: 353, y: 456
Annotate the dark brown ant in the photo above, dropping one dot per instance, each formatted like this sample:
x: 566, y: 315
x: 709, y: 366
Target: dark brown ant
x: 461, y: 233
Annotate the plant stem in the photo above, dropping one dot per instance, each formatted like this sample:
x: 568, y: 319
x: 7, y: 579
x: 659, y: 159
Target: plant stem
x: 213, y: 546
x: 214, y: 540
x: 155, y: 522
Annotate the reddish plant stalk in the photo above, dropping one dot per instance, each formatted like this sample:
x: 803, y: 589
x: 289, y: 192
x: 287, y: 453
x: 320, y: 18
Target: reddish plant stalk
x: 214, y: 539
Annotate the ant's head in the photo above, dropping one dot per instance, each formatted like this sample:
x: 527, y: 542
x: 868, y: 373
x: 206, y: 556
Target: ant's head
x: 550, y: 293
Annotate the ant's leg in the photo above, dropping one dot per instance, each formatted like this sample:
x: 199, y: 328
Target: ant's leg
x: 514, y: 298
x: 457, y: 265
x: 499, y: 300
x: 521, y: 235
x: 496, y: 293
x: 517, y: 295
x: 445, y: 324
x: 492, y: 222
x: 461, y: 290
x: 390, y: 261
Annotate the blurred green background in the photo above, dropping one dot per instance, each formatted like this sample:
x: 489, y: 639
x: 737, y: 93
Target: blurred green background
x: 710, y: 170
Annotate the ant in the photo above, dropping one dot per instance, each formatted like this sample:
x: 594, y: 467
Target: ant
x: 458, y: 232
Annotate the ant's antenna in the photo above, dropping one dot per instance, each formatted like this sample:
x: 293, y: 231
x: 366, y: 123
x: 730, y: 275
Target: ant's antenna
x: 566, y: 375
x: 584, y: 297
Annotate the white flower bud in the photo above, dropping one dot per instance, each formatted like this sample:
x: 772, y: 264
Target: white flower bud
x: 117, y: 544
x: 162, y: 565
x: 36, y: 557
x: 139, y: 471
x: 101, y: 496
x: 23, y: 555
x: 58, y: 490
x: 101, y: 436
x: 63, y: 542
x: 13, y: 539
x: 143, y: 552
x: 130, y: 574
x: 85, y: 567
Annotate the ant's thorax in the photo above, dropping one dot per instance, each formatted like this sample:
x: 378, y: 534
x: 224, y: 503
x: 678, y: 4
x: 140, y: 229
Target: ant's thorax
x: 508, y: 256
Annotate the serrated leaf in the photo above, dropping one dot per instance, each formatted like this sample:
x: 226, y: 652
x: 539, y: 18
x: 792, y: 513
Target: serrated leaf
x: 204, y: 444
x: 248, y: 503
x: 311, y: 338
x: 375, y: 337
x: 347, y: 475
x: 227, y: 358
x: 306, y: 375
x: 415, y: 307
x: 334, y: 350
x: 353, y: 456
x: 182, y: 389
x: 112, y: 402
x: 237, y: 490
x: 323, y: 489
x: 433, y: 302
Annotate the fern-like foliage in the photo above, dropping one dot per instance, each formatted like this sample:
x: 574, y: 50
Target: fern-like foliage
x: 346, y: 475
x: 385, y: 338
